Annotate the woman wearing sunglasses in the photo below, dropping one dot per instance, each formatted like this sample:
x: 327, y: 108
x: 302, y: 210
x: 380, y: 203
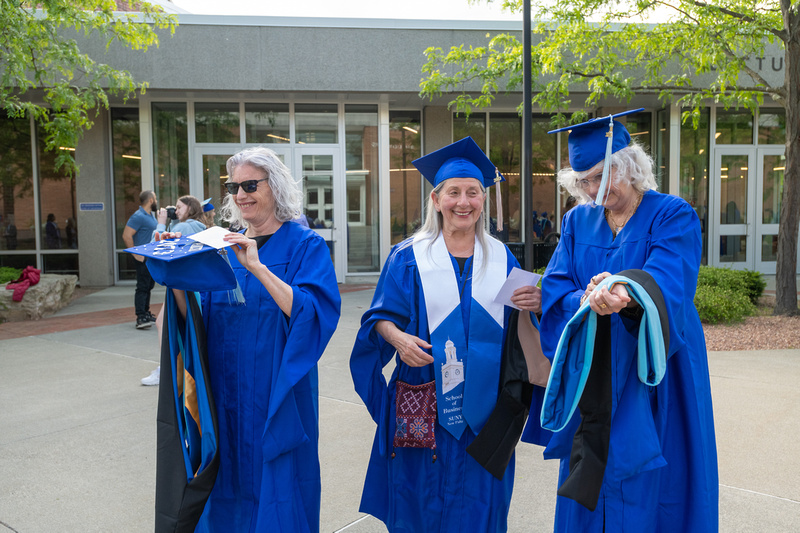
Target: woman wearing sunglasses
x: 263, y: 354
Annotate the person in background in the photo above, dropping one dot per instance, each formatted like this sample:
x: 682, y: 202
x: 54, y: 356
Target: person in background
x: 188, y: 214
x: 209, y: 213
x: 263, y: 354
x: 10, y: 233
x: 52, y: 233
x: 638, y: 456
x: 71, y: 230
x: 139, y: 230
x: 435, y: 291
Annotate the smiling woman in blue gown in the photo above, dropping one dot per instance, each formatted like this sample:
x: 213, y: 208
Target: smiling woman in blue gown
x: 661, y: 467
x: 263, y: 355
x: 433, y: 307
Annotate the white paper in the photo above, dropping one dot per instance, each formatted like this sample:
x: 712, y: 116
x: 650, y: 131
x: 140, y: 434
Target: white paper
x: 211, y: 237
x: 516, y: 279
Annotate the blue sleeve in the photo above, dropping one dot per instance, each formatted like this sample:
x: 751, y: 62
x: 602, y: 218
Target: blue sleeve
x: 392, y: 302
x: 561, y: 291
x: 301, y: 340
x: 674, y: 261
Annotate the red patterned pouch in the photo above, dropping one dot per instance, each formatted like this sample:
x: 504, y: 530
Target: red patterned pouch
x: 415, y: 409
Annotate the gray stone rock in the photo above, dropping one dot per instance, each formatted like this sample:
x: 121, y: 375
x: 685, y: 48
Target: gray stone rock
x: 43, y: 299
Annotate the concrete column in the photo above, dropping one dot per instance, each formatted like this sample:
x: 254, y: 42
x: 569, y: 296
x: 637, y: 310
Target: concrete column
x: 438, y: 124
x: 94, y: 186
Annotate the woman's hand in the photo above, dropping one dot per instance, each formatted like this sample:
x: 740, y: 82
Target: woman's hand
x: 162, y: 216
x: 528, y: 298
x: 167, y: 235
x: 593, y: 283
x: 246, y: 250
x: 605, y: 302
x: 408, y: 347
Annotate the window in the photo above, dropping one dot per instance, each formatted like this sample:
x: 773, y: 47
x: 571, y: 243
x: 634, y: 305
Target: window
x: 316, y: 123
x: 362, y: 199
x: 267, y: 123
x: 405, y: 181
x: 216, y: 123
x: 127, y: 168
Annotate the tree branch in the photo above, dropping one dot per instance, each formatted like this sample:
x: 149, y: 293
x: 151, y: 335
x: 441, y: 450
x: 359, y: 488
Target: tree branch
x: 780, y: 34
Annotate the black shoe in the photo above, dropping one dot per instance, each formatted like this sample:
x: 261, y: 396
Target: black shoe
x: 151, y: 317
x: 143, y: 323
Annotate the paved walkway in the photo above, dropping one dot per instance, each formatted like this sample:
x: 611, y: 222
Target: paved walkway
x: 77, y: 430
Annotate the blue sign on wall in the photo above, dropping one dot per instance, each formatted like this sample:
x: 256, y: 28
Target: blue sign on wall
x: 91, y: 206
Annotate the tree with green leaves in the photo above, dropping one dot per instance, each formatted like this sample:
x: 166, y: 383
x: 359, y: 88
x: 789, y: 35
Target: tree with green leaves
x: 699, y: 52
x: 45, y: 74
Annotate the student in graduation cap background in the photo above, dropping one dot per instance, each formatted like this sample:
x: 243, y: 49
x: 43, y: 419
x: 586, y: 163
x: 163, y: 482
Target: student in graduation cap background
x: 263, y: 354
x: 637, y: 457
x: 435, y: 296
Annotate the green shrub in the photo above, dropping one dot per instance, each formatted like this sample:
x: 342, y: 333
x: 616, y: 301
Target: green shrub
x: 722, y: 304
x: 746, y: 282
x: 9, y: 274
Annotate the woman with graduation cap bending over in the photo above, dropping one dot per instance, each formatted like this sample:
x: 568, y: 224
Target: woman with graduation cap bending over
x: 629, y: 396
x: 434, y: 308
x: 263, y: 353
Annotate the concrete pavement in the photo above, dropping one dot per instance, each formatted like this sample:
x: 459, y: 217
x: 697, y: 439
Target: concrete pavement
x: 77, y: 430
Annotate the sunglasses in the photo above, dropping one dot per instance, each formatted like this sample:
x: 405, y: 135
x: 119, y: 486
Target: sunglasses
x: 248, y: 186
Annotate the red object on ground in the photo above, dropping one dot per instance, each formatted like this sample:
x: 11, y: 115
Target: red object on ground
x: 30, y: 276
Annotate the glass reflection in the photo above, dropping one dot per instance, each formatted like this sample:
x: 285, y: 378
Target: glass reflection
x: 16, y: 187
x: 773, y: 172
x: 694, y: 166
x: 216, y: 123
x: 267, y: 123
x: 171, y: 147
x: 316, y: 123
x: 405, y: 181
x: 734, y: 127
x: 772, y: 126
x: 733, y: 189
x: 127, y: 163
x: 362, y: 201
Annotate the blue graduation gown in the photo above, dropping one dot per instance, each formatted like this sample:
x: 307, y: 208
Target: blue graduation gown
x: 410, y: 493
x: 263, y: 368
x: 661, y: 473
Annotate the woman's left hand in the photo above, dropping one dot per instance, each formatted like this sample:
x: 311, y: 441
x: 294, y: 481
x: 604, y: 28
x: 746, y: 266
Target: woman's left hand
x: 528, y: 298
x: 246, y: 250
x: 605, y: 302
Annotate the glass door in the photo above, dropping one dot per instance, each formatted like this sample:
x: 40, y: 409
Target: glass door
x: 735, y: 179
x: 321, y: 176
x: 771, y: 168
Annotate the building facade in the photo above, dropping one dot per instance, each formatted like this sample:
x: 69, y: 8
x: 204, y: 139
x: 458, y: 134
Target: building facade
x: 338, y: 101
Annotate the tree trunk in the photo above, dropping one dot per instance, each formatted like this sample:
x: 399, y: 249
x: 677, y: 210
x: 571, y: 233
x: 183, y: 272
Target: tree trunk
x: 786, y: 273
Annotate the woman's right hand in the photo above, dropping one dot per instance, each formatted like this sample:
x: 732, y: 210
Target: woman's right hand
x: 167, y: 235
x: 409, y: 347
x: 161, y: 216
x: 593, y: 283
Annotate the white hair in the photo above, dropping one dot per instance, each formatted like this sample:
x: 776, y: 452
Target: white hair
x: 285, y: 189
x: 631, y: 163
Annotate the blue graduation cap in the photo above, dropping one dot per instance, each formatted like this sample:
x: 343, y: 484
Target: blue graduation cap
x: 186, y: 264
x: 595, y: 140
x: 462, y: 159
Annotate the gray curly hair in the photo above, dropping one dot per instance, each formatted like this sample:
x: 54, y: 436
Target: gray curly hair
x: 285, y: 189
x: 632, y: 162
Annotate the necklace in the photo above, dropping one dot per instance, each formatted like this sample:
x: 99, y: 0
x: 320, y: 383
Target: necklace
x: 617, y: 226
